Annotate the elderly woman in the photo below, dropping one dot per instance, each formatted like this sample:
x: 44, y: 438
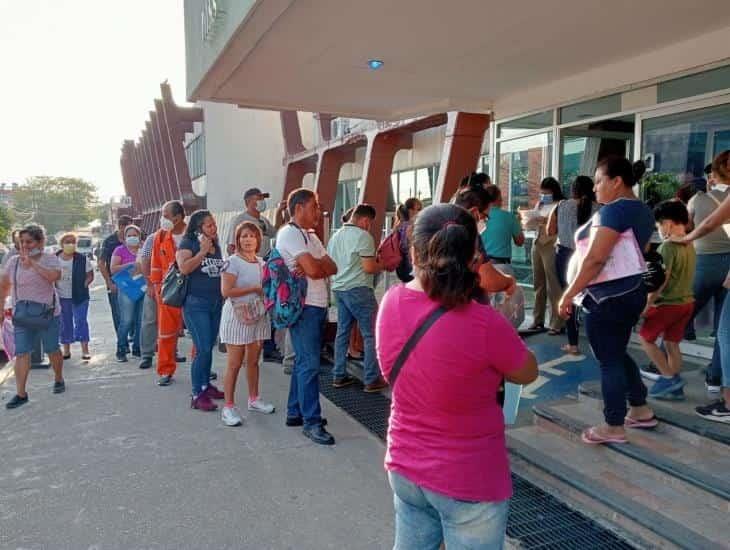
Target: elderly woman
x: 446, y: 459
x: 32, y: 274
x: 77, y: 273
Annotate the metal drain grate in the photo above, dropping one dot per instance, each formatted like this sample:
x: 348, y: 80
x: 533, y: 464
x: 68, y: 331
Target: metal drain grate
x: 536, y: 519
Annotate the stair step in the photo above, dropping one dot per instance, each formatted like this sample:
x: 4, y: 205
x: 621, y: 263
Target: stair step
x: 677, y: 413
x: 704, y: 468
x: 678, y: 511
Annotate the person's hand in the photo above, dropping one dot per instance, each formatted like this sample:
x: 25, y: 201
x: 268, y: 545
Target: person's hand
x: 206, y: 244
x: 231, y: 249
x: 565, y: 306
x: 679, y: 240
x: 260, y: 291
x: 111, y: 287
x: 24, y: 260
x: 282, y: 206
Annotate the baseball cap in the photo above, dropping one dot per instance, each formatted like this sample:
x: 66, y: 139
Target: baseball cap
x: 253, y: 192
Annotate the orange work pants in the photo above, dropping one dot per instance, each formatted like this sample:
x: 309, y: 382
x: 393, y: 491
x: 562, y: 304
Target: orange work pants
x: 169, y: 322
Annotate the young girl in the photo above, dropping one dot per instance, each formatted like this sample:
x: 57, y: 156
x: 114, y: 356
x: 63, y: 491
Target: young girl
x: 241, y: 285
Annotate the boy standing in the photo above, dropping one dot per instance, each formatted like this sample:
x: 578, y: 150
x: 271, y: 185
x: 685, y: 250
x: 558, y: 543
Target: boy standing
x: 670, y: 308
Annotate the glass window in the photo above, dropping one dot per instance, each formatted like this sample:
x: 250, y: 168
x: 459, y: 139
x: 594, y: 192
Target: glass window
x: 696, y: 84
x: 424, y: 185
x: 677, y: 148
x: 590, y: 109
x: 406, y: 185
x: 522, y: 164
x: 348, y: 193
x: 525, y: 124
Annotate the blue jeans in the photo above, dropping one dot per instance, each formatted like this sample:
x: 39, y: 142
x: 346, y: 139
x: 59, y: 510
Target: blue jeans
x: 562, y: 258
x: 25, y: 338
x: 357, y: 304
x: 202, y: 318
x: 710, y: 272
x: 74, y: 324
x: 608, y: 326
x: 113, y: 303
x: 723, y: 337
x: 306, y: 337
x: 130, y: 319
x: 423, y: 519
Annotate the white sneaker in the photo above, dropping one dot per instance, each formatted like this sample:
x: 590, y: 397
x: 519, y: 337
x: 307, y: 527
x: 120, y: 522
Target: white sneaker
x: 261, y: 406
x: 231, y: 417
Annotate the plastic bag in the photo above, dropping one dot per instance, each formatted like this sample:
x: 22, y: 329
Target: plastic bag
x: 8, y: 334
x: 512, y: 307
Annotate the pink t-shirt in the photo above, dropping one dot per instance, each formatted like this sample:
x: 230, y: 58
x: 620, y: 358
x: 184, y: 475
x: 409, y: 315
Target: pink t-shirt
x: 124, y: 254
x: 31, y: 285
x: 446, y: 430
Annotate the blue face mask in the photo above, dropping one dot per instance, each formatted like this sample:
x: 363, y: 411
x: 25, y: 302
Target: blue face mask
x: 35, y: 252
x: 132, y: 241
x: 546, y: 198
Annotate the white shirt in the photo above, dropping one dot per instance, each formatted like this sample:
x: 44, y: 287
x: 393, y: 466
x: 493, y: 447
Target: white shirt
x: 65, y: 284
x: 292, y: 242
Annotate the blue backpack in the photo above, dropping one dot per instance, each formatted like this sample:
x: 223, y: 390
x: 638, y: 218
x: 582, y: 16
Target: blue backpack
x: 284, y: 293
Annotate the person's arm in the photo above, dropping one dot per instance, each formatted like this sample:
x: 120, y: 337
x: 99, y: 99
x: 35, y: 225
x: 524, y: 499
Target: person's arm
x: 493, y: 280
x: 368, y: 254
x: 117, y: 265
x: 187, y: 262
x: 526, y: 374
x: 5, y: 285
x: 89, y: 273
x: 599, y: 250
x: 50, y: 274
x: 719, y: 216
x: 316, y: 268
x: 518, y: 236
x: 230, y: 290
x: 552, y: 222
x: 280, y: 216
x: 104, y: 270
x: 371, y: 265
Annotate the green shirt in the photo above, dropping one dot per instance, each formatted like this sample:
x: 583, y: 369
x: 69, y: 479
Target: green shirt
x: 347, y: 247
x: 502, y: 228
x: 679, y: 260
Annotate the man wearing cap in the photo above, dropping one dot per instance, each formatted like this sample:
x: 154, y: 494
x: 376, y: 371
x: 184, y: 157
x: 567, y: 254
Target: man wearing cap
x: 255, y: 203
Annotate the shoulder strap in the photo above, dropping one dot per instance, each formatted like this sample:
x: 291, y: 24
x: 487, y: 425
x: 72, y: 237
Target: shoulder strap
x: 713, y: 197
x: 412, y: 341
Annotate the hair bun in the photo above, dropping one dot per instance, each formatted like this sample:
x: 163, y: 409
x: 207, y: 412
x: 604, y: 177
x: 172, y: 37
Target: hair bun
x: 639, y: 169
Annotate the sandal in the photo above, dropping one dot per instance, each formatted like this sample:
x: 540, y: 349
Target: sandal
x: 67, y: 357
x: 556, y: 331
x: 86, y: 357
x: 567, y: 349
x: 636, y: 423
x: 535, y: 328
x: 592, y: 437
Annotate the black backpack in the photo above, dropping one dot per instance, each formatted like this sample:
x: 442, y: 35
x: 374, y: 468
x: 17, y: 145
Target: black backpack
x: 655, y: 275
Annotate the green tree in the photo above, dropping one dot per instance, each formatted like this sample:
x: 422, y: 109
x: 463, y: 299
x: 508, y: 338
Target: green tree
x: 6, y: 223
x: 57, y: 203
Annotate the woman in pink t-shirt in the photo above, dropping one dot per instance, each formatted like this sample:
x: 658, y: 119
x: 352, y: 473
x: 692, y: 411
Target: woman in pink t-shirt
x: 446, y: 459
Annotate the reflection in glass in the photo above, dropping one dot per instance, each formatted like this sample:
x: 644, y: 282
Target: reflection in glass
x: 525, y: 124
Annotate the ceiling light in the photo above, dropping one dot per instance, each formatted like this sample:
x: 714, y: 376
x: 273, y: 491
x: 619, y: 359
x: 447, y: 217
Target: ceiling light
x: 375, y: 64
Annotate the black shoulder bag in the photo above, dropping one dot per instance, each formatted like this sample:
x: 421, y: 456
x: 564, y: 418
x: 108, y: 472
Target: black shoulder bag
x: 29, y: 314
x: 412, y: 341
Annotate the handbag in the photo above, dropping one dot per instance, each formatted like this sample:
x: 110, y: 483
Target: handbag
x: 29, y: 314
x: 174, y: 287
x: 250, y: 312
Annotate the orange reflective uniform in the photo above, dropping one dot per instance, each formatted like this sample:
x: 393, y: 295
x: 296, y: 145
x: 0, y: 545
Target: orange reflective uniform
x: 169, y: 319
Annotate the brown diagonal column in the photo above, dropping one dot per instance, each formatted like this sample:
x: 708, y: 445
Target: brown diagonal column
x: 295, y: 172
x: 171, y: 191
x: 291, y: 132
x: 462, y: 148
x: 381, y: 150
x: 150, y: 168
x: 328, y: 175
x: 157, y: 164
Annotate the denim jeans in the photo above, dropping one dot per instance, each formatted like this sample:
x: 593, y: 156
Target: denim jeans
x: 306, y: 337
x: 723, y: 337
x: 270, y: 344
x: 423, y: 519
x: 130, y: 319
x: 710, y: 272
x: 562, y: 258
x: 202, y: 318
x: 74, y: 324
x: 114, y: 305
x: 357, y: 304
x: 608, y: 326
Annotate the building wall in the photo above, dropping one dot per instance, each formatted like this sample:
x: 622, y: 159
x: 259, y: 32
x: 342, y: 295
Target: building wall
x: 244, y: 148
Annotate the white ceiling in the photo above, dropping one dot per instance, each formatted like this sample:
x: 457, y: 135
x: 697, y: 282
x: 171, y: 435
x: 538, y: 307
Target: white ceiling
x: 439, y: 54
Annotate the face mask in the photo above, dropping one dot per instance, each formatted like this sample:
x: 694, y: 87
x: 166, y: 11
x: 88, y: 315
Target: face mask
x: 69, y: 248
x: 35, y: 252
x: 132, y: 241
x: 261, y: 205
x: 546, y: 198
x: 166, y: 225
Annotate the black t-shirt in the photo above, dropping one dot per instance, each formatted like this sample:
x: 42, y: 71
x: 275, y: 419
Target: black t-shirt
x: 107, y: 248
x: 205, y: 281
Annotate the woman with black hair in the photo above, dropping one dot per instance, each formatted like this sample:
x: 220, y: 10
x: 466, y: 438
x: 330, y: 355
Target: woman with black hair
x: 544, y: 275
x: 446, y: 459
x: 565, y: 218
x: 405, y: 215
x: 199, y: 257
x: 612, y: 294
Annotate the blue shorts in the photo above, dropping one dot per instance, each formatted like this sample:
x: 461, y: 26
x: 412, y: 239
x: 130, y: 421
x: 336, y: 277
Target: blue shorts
x: 24, y: 338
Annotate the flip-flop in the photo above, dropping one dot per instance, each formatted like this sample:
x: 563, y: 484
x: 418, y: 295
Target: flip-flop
x: 569, y: 351
x: 646, y: 424
x: 592, y: 437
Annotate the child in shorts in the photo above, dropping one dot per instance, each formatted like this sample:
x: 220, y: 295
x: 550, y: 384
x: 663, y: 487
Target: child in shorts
x: 669, y: 309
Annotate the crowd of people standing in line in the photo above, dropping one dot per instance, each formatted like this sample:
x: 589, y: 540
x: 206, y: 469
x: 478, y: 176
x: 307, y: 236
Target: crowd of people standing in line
x: 446, y: 454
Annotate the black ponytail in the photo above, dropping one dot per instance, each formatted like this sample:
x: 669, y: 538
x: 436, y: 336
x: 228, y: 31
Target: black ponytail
x: 583, y: 192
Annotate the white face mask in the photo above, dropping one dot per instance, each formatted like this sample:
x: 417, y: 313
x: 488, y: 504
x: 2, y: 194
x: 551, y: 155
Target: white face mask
x: 166, y: 225
x: 261, y: 205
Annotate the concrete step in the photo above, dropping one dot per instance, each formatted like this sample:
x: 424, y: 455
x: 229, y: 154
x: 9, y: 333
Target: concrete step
x: 676, y: 513
x: 680, y: 414
x: 704, y: 467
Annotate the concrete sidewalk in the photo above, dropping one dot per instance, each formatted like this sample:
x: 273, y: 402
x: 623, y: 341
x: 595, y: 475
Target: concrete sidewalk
x: 117, y: 462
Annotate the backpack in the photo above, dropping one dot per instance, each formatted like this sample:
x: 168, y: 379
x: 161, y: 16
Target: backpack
x: 655, y: 275
x: 284, y: 293
x: 389, y: 253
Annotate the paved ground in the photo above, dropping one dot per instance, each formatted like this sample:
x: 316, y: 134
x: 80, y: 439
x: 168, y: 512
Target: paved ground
x: 117, y: 462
